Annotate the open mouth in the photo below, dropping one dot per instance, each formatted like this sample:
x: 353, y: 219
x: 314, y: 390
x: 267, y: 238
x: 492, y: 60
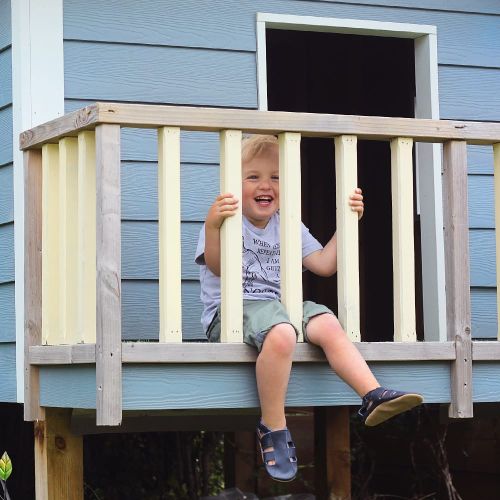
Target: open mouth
x: 264, y: 201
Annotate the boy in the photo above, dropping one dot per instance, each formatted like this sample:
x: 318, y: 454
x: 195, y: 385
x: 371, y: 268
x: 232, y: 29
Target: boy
x: 265, y: 322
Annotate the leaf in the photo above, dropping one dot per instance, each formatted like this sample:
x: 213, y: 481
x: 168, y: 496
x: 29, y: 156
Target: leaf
x: 5, y: 467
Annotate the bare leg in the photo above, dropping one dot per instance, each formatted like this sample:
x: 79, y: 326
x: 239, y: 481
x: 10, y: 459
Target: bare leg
x: 273, y: 372
x: 326, y: 332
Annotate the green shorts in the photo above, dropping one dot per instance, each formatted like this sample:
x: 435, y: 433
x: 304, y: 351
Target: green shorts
x: 259, y: 316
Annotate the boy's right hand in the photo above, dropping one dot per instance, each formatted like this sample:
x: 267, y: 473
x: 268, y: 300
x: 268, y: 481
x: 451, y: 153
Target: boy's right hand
x: 225, y: 205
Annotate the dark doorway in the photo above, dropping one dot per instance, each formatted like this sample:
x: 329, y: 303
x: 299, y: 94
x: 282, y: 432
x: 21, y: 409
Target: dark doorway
x: 356, y: 75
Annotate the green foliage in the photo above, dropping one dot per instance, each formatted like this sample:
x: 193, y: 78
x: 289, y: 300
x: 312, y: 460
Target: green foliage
x: 5, y: 467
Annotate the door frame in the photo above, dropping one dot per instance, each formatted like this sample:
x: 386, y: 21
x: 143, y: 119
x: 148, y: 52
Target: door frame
x: 429, y: 187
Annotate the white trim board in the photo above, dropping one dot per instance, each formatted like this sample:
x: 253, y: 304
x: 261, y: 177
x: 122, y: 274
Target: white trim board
x: 429, y: 194
x: 37, y: 97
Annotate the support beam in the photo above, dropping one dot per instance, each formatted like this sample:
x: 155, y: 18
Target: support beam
x: 33, y: 274
x: 169, y: 233
x: 332, y: 467
x: 230, y: 244
x: 108, y: 289
x: 346, y: 164
x: 58, y: 458
x: 456, y: 238
x: 290, y: 228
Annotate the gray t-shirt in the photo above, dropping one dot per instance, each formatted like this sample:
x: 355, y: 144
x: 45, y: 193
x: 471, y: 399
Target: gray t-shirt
x: 261, y: 265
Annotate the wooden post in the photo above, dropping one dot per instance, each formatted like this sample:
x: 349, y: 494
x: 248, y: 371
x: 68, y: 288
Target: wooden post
x: 169, y: 233
x: 33, y: 279
x: 108, y: 289
x: 290, y: 228
x: 402, y: 240
x: 332, y: 468
x: 347, y: 236
x: 496, y: 162
x: 231, y: 234
x: 239, y: 460
x: 456, y: 238
x: 58, y: 458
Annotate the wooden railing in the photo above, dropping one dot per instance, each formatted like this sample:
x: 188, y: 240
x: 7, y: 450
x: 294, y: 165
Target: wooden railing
x: 72, y: 206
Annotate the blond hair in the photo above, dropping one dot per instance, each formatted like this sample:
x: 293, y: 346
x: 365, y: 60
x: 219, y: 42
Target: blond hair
x: 257, y: 145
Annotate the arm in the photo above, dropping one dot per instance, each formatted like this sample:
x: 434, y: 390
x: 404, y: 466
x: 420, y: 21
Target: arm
x: 324, y: 262
x: 225, y: 205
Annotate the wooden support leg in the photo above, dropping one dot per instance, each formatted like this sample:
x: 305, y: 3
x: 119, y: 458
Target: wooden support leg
x: 58, y: 457
x: 332, y: 453
x: 239, y: 460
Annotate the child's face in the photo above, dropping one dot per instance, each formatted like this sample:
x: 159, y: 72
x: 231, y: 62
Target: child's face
x: 260, y: 190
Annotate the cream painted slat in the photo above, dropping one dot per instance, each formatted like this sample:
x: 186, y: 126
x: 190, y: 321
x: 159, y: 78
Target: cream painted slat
x: 290, y: 228
x: 68, y: 237
x: 402, y: 239
x: 346, y: 166
x: 86, y: 322
x: 496, y: 162
x: 230, y: 240
x: 51, y: 327
x: 169, y: 226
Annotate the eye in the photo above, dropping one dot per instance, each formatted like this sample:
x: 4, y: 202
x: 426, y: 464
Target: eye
x: 275, y: 177
x: 252, y: 177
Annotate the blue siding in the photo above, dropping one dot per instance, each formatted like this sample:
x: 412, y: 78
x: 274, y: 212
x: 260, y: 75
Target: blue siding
x: 232, y: 385
x: 6, y: 135
x: 8, y: 372
x: 7, y: 313
x: 6, y: 253
x: 486, y: 381
x: 6, y: 194
x: 5, y: 24
x: 5, y: 77
x: 484, y: 312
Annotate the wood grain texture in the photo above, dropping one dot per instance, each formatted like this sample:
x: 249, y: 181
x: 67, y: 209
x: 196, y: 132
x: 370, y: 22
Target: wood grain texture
x: 108, y: 291
x: 229, y: 385
x: 347, y: 236
x: 52, y: 321
x: 230, y: 240
x: 7, y: 313
x: 403, y: 239
x: 486, y: 381
x: 486, y: 351
x: 33, y: 279
x: 6, y: 194
x: 481, y: 201
x: 290, y: 228
x: 169, y: 233
x: 86, y: 316
x: 484, y: 313
x: 482, y: 258
x: 480, y: 160
x: 58, y: 458
x: 457, y: 275
x: 273, y: 122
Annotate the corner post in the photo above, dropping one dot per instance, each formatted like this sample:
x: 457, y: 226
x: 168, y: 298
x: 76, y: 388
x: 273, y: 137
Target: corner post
x: 456, y: 238
x: 108, y: 271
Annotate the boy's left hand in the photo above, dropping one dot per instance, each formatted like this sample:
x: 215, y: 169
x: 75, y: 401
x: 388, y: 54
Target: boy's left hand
x: 356, y: 202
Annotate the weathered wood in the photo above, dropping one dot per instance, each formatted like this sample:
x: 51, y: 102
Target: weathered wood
x: 108, y: 289
x: 332, y: 466
x: 456, y: 233
x: 68, y: 238
x: 153, y: 352
x: 486, y: 350
x: 269, y: 122
x: 290, y: 228
x: 230, y: 240
x: 347, y: 236
x: 496, y: 170
x: 403, y: 240
x: 58, y: 457
x: 51, y: 320
x: 86, y: 318
x: 169, y: 236
x: 33, y: 279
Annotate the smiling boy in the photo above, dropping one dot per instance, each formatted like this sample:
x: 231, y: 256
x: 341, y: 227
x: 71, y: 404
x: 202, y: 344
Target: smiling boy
x: 266, y: 325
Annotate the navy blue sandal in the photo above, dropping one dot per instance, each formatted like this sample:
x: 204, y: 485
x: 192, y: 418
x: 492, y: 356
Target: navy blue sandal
x: 281, y: 460
x: 381, y: 404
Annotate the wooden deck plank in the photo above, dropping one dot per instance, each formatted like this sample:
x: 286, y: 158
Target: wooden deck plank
x: 458, y: 309
x: 108, y: 289
x: 269, y: 122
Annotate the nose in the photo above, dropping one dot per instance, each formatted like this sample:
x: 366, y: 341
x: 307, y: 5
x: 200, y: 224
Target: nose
x: 264, y: 184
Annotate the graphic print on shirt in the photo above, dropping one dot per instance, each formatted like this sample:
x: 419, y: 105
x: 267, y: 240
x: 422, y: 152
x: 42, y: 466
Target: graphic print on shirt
x: 261, y: 267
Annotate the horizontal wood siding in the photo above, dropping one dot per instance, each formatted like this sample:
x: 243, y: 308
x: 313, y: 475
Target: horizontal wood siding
x: 6, y: 194
x: 6, y: 253
x: 203, y: 53
x: 486, y: 381
x: 5, y: 24
x: 6, y: 135
x: 199, y: 386
x: 5, y: 76
x: 7, y: 313
x: 8, y: 372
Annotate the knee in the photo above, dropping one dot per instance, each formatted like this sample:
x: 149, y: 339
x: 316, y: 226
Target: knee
x: 281, y: 339
x: 324, y: 327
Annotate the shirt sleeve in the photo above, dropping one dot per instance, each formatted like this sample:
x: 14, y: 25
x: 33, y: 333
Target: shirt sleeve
x: 199, y: 257
x: 309, y: 243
